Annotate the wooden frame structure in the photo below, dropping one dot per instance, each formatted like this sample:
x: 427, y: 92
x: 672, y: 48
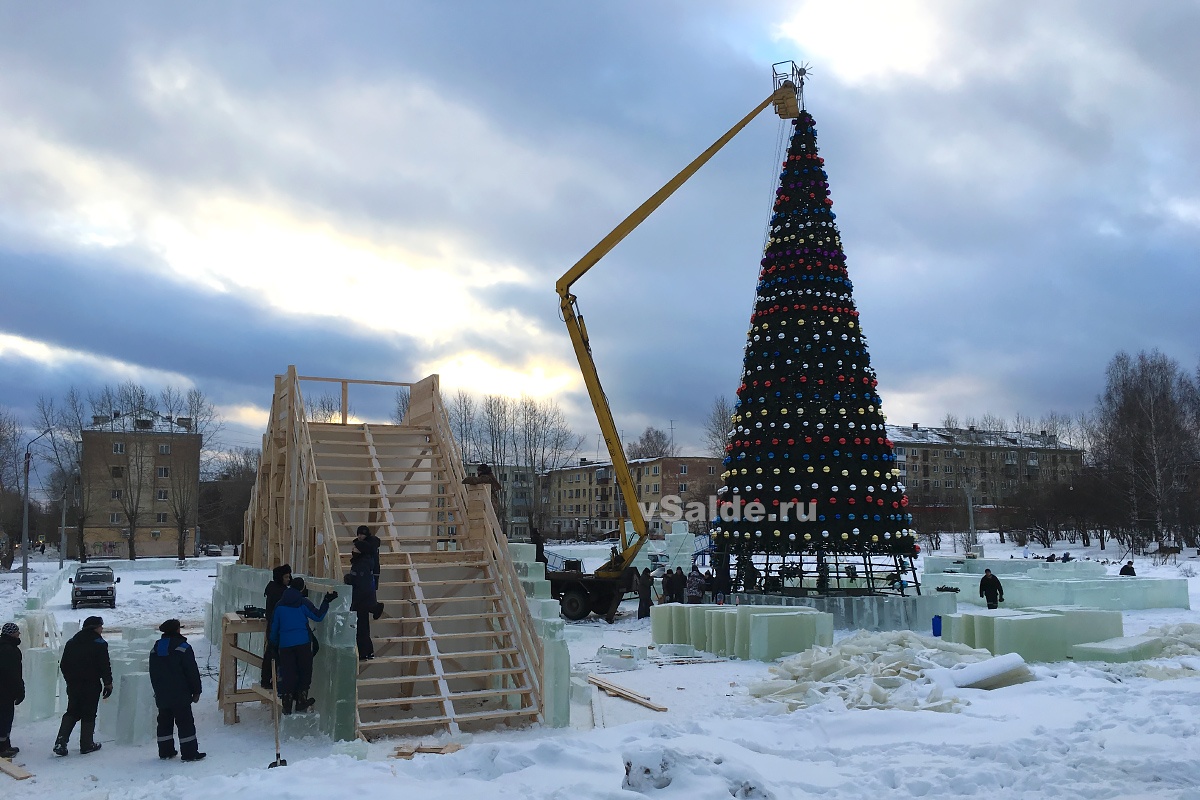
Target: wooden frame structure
x: 456, y: 648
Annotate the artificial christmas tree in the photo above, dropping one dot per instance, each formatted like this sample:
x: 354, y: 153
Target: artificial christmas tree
x: 809, y: 472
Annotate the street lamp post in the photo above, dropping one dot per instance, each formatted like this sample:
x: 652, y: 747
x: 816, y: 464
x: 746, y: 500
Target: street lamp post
x: 25, y: 514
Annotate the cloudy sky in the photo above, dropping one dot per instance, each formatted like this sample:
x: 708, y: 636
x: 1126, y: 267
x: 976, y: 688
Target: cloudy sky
x: 203, y: 194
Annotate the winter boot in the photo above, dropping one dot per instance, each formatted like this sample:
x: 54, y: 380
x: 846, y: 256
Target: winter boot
x: 304, y: 702
x: 193, y: 757
x: 7, y: 750
x: 60, y: 746
x: 286, y: 700
x: 377, y: 612
x: 89, y: 748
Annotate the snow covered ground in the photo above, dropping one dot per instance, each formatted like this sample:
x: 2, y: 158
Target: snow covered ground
x: 1079, y: 731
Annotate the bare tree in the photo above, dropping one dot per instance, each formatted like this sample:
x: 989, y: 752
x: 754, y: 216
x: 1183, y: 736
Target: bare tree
x: 544, y: 441
x: 950, y: 420
x: 463, y: 411
x: 717, y: 426
x: 326, y: 408
x: 653, y: 443
x: 400, y: 405
x: 992, y: 422
x: 10, y: 452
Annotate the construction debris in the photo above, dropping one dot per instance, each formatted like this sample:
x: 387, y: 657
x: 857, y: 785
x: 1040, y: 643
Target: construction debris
x: 407, y: 751
x: 892, y: 669
x: 17, y: 772
x: 613, y: 690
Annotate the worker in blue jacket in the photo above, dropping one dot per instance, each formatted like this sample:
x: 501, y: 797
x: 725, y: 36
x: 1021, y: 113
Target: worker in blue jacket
x: 293, y: 644
x: 176, y: 681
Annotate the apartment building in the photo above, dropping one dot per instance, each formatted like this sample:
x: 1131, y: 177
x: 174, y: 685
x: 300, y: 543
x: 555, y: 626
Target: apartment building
x: 585, y: 501
x: 942, y: 468
x: 140, y: 475
x: 518, y: 490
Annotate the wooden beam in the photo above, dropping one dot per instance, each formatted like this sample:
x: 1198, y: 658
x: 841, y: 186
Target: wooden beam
x: 13, y: 770
x: 626, y: 694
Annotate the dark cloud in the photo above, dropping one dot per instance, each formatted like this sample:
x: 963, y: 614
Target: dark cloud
x: 1011, y: 220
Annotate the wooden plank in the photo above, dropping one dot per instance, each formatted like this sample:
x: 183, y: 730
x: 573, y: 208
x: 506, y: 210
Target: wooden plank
x: 478, y: 695
x: 626, y: 694
x: 478, y: 673
x: 407, y: 751
x: 14, y: 770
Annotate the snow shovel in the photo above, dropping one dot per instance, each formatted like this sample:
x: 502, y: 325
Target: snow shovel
x: 278, y: 762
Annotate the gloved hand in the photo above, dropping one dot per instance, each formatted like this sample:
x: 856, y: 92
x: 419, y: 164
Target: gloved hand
x: 331, y: 596
x: 107, y: 693
x: 196, y: 697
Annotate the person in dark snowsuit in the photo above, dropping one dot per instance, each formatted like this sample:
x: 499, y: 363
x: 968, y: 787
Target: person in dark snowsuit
x: 368, y: 544
x: 363, y: 600
x: 695, y: 585
x: 12, y: 685
x: 1128, y: 569
x: 721, y: 585
x: 176, y: 681
x: 990, y: 589
x: 668, y: 587
x: 680, y: 586
x: 88, y: 673
x: 292, y: 639
x: 281, y: 576
x: 645, y: 589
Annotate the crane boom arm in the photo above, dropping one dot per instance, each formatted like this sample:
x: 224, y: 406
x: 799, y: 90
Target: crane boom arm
x: 784, y: 100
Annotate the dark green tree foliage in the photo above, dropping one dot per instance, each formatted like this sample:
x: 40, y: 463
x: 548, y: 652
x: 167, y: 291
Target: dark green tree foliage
x: 807, y: 426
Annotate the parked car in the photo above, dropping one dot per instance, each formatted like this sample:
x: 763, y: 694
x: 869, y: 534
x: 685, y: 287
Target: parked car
x: 94, y: 585
x: 212, y: 550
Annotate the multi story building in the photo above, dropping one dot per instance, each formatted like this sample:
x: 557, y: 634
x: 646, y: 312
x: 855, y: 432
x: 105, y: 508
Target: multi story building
x: 140, y: 479
x: 585, y: 501
x: 945, y: 468
x: 517, y: 496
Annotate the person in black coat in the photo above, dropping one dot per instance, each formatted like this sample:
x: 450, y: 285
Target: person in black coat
x: 668, y: 587
x: 176, y: 681
x: 645, y: 589
x: 1128, y: 569
x: 281, y: 576
x: 12, y: 685
x: 721, y: 584
x: 368, y: 544
x: 363, y: 600
x: 990, y: 589
x: 88, y: 673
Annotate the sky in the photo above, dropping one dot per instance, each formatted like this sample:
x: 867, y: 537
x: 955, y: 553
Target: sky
x: 204, y: 195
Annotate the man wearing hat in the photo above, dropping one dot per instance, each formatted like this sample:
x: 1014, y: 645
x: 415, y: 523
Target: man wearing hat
x: 363, y: 599
x: 88, y: 673
x: 176, y: 681
x: 12, y: 685
x: 368, y: 544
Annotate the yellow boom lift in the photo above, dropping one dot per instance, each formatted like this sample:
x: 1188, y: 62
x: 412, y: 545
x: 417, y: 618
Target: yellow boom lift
x: 601, y: 592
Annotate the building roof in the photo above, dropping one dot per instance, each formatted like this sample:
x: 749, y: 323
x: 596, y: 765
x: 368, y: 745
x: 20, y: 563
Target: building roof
x: 934, y: 437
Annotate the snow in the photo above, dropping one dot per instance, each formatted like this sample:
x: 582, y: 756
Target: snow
x: 1077, y: 731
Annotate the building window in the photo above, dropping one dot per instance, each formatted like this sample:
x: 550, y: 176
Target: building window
x: 683, y: 469
x: 114, y: 518
x: 164, y: 472
x: 114, y: 494
x: 155, y: 534
x: 118, y: 472
x: 899, y: 451
x: 655, y: 489
x: 654, y: 470
x: 119, y: 448
x: 947, y: 468
x: 712, y: 470
x: 682, y: 488
x: 161, y: 517
x: 937, y: 484
x: 949, y: 484
x: 161, y: 495
x: 164, y: 449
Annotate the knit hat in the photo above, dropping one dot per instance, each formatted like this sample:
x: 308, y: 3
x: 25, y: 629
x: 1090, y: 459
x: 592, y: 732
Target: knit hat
x: 363, y: 530
x: 170, y: 626
x: 11, y: 629
x: 93, y: 622
x: 298, y: 584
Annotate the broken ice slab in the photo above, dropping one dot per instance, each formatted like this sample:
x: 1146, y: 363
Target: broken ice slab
x: 994, y: 673
x: 136, y: 711
x: 741, y: 644
x: 356, y: 749
x: 1086, y: 624
x: 676, y: 650
x: 1119, y: 651
x: 299, y: 726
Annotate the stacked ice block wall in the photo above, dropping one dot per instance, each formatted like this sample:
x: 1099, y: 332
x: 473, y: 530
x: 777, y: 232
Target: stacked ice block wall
x: 1030, y: 583
x: 556, y: 658
x: 1038, y: 634
x: 759, y: 633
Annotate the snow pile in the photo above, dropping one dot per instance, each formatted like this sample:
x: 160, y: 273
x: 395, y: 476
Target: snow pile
x: 890, y: 669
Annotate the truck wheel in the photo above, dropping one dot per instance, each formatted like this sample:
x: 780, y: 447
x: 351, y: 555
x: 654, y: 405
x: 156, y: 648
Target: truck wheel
x: 574, y: 604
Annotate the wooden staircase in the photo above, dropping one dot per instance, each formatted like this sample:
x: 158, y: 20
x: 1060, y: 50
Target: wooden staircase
x: 455, y: 648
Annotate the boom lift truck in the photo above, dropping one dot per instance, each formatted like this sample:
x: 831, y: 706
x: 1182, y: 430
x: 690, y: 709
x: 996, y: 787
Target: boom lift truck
x: 579, y: 593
